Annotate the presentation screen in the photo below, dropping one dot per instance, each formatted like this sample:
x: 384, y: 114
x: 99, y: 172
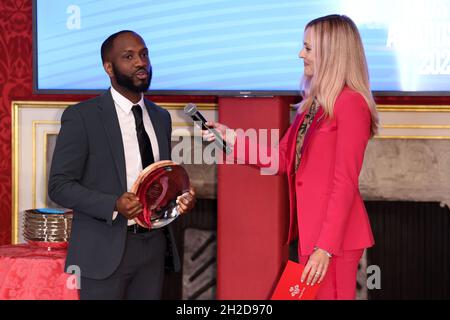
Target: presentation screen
x: 239, y: 47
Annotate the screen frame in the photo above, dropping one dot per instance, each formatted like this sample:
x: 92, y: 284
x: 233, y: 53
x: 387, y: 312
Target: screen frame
x: 218, y: 93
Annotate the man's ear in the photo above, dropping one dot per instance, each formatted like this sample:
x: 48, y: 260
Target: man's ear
x: 108, y: 69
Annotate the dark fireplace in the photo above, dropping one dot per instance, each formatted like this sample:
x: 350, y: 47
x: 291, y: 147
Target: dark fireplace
x: 195, y: 234
x: 412, y: 232
x: 412, y: 252
x: 412, y: 249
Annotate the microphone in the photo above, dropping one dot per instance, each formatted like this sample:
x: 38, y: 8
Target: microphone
x: 191, y: 110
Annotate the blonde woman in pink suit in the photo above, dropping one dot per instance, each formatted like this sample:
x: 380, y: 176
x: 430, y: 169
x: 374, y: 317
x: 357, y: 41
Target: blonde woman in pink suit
x: 322, y: 154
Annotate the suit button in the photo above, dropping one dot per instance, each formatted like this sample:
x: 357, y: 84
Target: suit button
x: 299, y: 183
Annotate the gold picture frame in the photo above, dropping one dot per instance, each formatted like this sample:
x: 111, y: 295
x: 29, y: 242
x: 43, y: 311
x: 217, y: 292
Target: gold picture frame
x: 32, y: 123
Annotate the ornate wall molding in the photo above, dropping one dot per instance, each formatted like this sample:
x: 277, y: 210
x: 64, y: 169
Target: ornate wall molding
x: 35, y: 125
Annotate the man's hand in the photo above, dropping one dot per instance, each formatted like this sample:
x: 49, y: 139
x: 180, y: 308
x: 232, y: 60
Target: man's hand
x: 129, y: 206
x: 186, y: 201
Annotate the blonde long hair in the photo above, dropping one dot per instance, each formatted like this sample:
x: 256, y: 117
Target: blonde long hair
x: 339, y: 60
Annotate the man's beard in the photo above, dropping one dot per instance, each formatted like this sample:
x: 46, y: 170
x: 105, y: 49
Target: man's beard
x: 127, y: 81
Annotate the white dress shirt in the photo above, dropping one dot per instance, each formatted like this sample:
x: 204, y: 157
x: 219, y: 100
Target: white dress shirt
x: 127, y: 124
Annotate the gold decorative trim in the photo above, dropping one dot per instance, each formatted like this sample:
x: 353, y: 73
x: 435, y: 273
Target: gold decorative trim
x: 64, y: 104
x: 414, y: 137
x: 35, y: 124
x: 414, y: 126
x: 46, y: 134
x: 403, y: 108
x: 43, y: 104
x: 15, y: 106
x: 412, y: 108
x: 181, y: 124
x: 15, y: 173
x: 33, y: 164
x: 180, y: 106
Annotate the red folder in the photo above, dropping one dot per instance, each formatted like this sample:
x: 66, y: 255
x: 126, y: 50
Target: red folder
x: 289, y: 286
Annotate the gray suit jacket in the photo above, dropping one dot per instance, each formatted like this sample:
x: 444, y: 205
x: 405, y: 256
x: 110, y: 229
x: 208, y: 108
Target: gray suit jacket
x: 88, y: 175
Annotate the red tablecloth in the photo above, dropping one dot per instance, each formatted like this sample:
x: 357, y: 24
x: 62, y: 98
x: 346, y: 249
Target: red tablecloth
x: 34, y: 273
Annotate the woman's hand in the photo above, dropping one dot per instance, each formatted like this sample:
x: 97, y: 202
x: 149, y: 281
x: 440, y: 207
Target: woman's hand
x: 316, y: 268
x: 227, y: 134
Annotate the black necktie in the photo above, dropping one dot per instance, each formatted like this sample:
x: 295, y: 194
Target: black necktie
x: 145, y: 147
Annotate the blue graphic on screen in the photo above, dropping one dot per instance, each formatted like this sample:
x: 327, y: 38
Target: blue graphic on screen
x: 230, y: 45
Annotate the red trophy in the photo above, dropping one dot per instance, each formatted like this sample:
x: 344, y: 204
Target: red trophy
x: 158, y: 187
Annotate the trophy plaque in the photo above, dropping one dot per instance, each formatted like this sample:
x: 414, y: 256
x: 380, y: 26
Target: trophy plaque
x: 158, y: 187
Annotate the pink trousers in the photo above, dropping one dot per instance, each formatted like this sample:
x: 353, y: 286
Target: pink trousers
x: 340, y: 281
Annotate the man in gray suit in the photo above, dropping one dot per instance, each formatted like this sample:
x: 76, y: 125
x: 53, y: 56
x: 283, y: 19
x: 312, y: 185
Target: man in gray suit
x: 103, y: 145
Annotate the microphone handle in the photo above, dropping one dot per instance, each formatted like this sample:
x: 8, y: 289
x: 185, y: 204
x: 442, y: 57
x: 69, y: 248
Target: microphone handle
x: 220, y: 141
x: 198, y: 117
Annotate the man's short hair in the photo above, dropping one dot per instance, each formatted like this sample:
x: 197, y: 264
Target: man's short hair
x: 108, y: 44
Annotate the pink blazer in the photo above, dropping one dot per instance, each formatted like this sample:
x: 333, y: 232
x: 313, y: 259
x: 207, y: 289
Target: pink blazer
x: 326, y: 208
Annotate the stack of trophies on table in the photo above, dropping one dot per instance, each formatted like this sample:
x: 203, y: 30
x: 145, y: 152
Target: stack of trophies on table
x: 47, y: 227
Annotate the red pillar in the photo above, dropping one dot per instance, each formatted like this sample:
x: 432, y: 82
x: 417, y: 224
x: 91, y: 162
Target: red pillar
x: 253, y: 209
